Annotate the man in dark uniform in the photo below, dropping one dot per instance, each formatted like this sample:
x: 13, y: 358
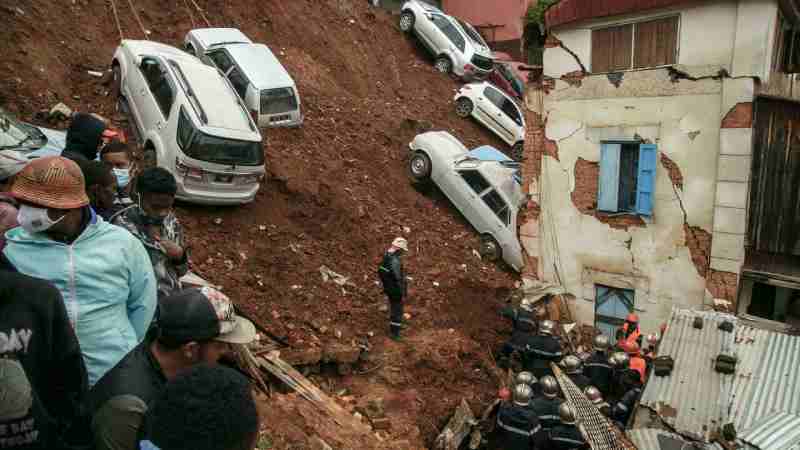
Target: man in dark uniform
x: 394, y: 284
x: 572, y: 366
x: 597, y: 367
x: 518, y: 427
x: 566, y: 436
x: 546, y: 406
x: 543, y: 349
x: 594, y: 396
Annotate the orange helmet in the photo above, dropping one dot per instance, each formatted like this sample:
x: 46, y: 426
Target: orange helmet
x: 632, y: 317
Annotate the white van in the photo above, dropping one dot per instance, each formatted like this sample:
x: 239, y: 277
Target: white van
x: 258, y: 77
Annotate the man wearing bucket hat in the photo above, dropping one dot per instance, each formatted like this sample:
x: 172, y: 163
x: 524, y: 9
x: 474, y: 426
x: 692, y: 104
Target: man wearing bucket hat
x: 103, y: 272
x: 393, y: 279
x: 195, y: 326
x: 11, y: 163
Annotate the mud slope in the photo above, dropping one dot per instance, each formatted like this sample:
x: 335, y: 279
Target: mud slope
x: 337, y: 190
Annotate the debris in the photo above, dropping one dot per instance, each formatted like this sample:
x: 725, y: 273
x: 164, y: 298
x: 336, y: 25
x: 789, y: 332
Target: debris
x: 338, y: 334
x: 328, y: 275
x: 435, y: 284
x: 60, y: 112
x: 406, y: 316
x: 477, y: 255
x: 296, y: 286
x: 406, y: 230
x: 95, y: 73
x: 218, y: 221
x: 262, y: 228
x: 76, y: 97
x: 382, y: 423
x: 229, y: 264
x: 457, y: 428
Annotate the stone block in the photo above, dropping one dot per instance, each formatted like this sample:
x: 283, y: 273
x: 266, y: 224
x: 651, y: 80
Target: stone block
x: 727, y: 246
x: 731, y: 194
x: 730, y: 220
x: 341, y: 353
x: 733, y: 168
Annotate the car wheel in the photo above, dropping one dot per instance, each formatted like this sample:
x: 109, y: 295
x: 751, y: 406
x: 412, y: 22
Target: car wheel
x: 190, y: 49
x: 490, y: 249
x: 419, y: 167
x: 464, y: 107
x: 517, y: 150
x: 407, y: 20
x: 443, y: 64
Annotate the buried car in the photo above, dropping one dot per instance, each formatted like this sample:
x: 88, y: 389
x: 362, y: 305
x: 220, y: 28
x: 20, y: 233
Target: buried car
x: 494, y: 109
x: 30, y: 140
x: 189, y: 121
x: 456, y: 45
x: 483, y: 184
x: 266, y: 87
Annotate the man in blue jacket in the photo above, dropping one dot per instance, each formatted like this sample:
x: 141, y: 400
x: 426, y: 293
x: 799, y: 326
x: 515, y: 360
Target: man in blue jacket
x: 103, y: 272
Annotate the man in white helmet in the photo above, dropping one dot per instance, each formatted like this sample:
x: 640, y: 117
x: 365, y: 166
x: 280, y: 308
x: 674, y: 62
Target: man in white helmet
x: 517, y: 425
x: 393, y: 279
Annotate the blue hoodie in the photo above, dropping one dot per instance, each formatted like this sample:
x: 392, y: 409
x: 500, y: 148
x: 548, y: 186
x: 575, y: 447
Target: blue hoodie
x: 106, y: 280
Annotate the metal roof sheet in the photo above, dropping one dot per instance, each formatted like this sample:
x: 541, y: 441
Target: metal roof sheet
x: 696, y: 400
x: 777, y: 432
x: 648, y: 439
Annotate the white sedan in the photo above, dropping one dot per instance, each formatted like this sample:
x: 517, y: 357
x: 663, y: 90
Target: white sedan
x: 483, y: 184
x: 494, y: 109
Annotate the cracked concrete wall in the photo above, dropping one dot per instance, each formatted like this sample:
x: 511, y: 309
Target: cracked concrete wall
x: 576, y: 247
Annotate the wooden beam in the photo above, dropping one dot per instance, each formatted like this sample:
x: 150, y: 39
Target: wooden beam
x: 457, y: 429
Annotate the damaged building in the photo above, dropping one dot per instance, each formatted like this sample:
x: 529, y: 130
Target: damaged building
x: 665, y: 169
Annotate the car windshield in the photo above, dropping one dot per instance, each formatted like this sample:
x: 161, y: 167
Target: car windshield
x: 224, y: 151
x: 276, y: 101
x: 472, y: 33
x: 17, y: 135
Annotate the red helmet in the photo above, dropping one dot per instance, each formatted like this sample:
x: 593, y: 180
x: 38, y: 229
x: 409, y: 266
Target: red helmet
x: 632, y: 317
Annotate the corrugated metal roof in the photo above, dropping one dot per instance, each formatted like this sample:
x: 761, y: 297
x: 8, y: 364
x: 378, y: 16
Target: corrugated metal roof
x: 648, y: 439
x: 777, y: 432
x: 696, y: 400
x: 568, y: 11
x: 692, y: 400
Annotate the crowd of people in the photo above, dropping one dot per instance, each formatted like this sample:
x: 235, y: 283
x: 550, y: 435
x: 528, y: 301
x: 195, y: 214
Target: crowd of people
x: 534, y: 413
x: 101, y: 344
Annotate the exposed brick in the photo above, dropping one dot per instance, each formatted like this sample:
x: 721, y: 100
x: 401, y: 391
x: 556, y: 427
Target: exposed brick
x: 551, y: 41
x: 722, y: 284
x: 740, y: 116
x: 674, y: 171
x: 699, y: 242
x: 531, y: 170
x: 550, y: 148
x: 584, y: 197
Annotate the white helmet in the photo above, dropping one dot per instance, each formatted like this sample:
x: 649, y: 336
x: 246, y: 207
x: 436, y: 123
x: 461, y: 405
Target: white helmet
x: 522, y: 394
x: 526, y: 378
x: 547, y: 327
x: 526, y: 304
x: 567, y: 413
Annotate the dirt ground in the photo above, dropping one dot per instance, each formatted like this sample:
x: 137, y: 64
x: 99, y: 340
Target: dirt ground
x: 336, y: 194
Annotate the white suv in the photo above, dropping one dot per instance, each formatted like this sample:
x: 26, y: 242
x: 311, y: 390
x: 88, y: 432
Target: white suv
x: 189, y: 121
x: 456, y: 45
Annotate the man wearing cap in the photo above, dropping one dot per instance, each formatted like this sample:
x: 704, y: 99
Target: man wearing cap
x: 394, y: 283
x: 11, y: 163
x: 103, y: 272
x: 195, y: 326
x: 84, y: 137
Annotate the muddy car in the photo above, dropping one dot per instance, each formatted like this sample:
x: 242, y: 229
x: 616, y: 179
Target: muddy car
x: 30, y: 140
x: 483, y: 184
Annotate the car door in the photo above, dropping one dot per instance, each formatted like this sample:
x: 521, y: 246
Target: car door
x: 470, y: 184
x: 439, y: 40
x: 512, y: 117
x: 490, y: 109
x: 425, y: 29
x: 495, y: 215
x: 143, y: 105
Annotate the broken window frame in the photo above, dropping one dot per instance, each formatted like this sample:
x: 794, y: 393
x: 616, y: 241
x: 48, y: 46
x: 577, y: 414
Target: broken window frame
x: 747, y: 282
x: 601, y: 299
x: 786, y: 57
x: 632, y: 57
x: 463, y: 174
x: 609, y: 183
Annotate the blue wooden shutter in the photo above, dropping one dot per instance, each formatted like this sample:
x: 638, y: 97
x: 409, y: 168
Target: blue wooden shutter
x: 608, y: 189
x: 646, y: 179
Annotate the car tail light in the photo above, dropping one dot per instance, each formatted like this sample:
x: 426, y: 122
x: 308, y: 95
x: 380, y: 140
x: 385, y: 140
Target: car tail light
x: 192, y: 173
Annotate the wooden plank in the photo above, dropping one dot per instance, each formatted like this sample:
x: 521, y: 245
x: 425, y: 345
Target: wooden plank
x: 457, y: 429
x: 272, y: 363
x: 621, y: 53
x: 656, y: 43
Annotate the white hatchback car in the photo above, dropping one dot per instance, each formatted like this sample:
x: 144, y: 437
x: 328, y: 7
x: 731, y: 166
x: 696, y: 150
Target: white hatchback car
x: 484, y: 184
x: 494, y: 109
x: 456, y: 45
x: 189, y: 121
x: 266, y: 87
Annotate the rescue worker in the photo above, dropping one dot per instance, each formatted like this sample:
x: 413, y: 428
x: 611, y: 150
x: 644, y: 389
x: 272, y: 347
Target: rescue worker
x: 526, y: 378
x: 518, y: 426
x: 546, y: 406
x: 623, y: 409
x: 651, y: 351
x: 630, y: 329
x: 573, y: 369
x: 619, y: 361
x: 636, y: 362
x: 597, y: 367
x: 523, y: 327
x: 393, y: 279
x: 566, y: 436
x: 594, y: 396
x: 543, y: 349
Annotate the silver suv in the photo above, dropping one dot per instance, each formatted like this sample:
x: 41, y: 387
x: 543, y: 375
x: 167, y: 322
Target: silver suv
x: 456, y: 45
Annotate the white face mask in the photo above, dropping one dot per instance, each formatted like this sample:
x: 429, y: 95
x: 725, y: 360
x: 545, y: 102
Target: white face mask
x: 35, y: 220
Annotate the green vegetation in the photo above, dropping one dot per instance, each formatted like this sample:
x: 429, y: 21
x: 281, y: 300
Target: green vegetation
x: 534, y: 33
